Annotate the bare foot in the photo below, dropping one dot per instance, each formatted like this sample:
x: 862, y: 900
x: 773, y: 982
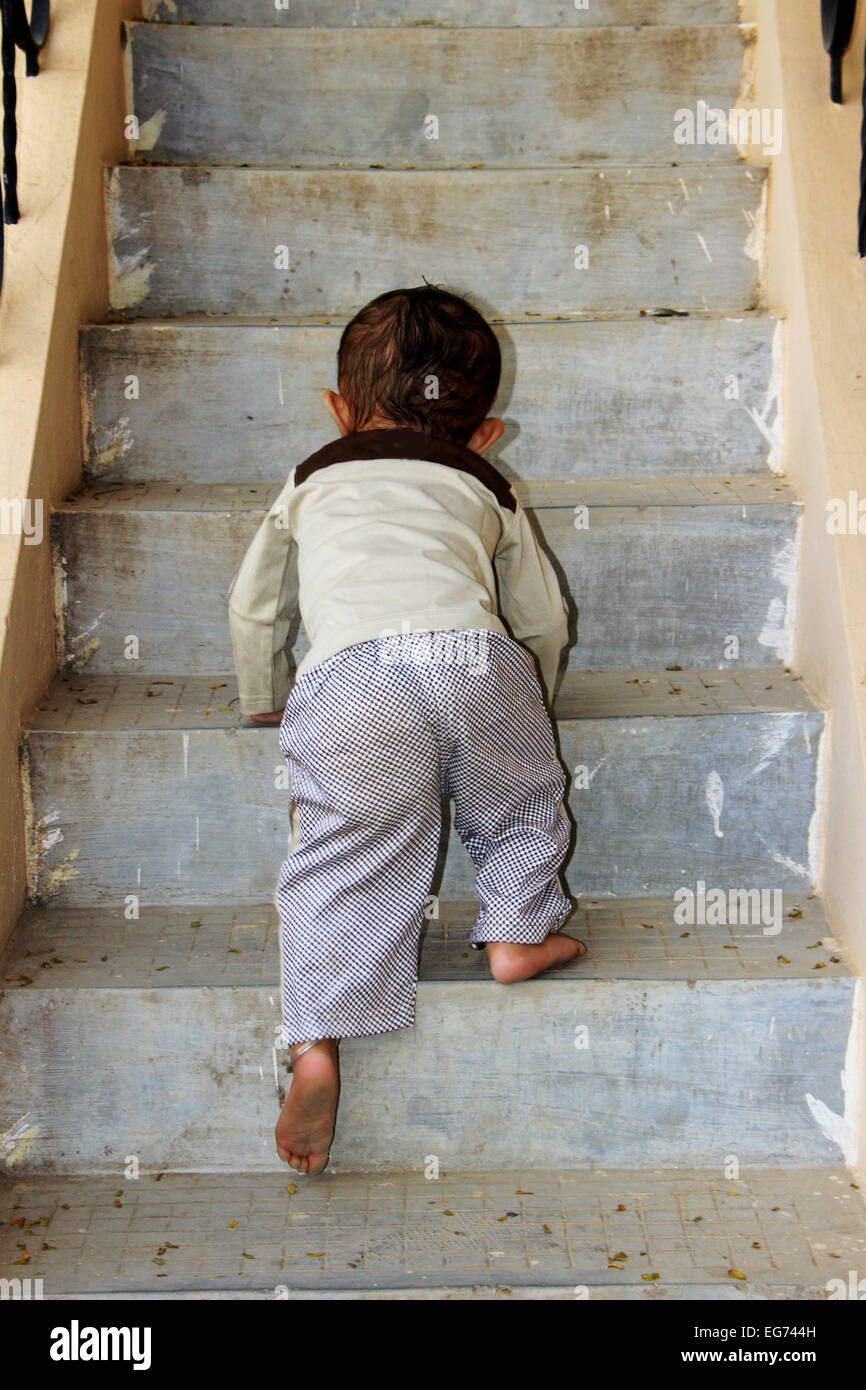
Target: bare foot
x: 510, y: 962
x: 275, y: 717
x: 305, y: 1128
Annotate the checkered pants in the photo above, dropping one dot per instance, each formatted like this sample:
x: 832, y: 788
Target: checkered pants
x: 375, y: 739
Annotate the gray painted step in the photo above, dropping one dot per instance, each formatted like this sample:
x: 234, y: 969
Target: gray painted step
x: 343, y: 14
x: 698, y: 1053
x: 598, y: 398
x: 524, y: 1234
x: 156, y: 788
x: 552, y: 97
x: 664, y: 572
x: 188, y: 241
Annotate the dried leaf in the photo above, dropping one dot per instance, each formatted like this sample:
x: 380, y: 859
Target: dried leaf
x: 735, y: 1274
x: 650, y: 1278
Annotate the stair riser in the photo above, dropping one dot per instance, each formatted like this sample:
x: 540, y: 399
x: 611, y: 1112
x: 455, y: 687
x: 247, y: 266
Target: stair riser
x: 477, y: 14
x: 489, y: 1077
x: 655, y: 586
x: 197, y: 817
x: 189, y: 241
x: 596, y: 399
x: 409, y: 98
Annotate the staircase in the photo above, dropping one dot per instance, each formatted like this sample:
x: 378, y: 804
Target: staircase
x: 672, y: 1116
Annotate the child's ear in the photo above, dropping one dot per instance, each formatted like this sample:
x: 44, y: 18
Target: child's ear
x: 488, y: 433
x: 339, y: 411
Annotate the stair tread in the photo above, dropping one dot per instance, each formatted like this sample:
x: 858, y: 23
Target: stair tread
x: 672, y: 491
x: 237, y: 947
x: 321, y: 98
x: 596, y: 396
x: 662, y: 237
x: 105, y: 702
x: 458, y: 13
x: 785, y: 1230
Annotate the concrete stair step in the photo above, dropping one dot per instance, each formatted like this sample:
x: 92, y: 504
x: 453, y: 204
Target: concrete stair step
x: 360, y: 97
x: 292, y: 242
x: 155, y: 787
x: 660, y: 571
x: 525, y: 1233
x: 592, y: 399
x: 669, y: 1045
x: 471, y: 13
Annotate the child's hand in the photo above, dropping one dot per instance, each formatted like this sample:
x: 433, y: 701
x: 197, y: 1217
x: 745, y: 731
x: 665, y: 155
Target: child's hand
x: 275, y: 717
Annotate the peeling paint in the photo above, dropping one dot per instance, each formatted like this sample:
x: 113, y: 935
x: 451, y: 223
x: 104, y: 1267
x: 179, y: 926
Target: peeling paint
x: 17, y: 1141
x: 110, y: 443
x: 149, y: 132
x: 784, y: 862
x: 85, y: 649
x: 715, y: 794
x: 774, y: 633
x: 813, y: 835
x: 130, y: 280
x: 774, y: 738
x: 842, y: 1129
x: 756, y: 241
x: 769, y: 420
x: 778, y: 629
x: 704, y: 247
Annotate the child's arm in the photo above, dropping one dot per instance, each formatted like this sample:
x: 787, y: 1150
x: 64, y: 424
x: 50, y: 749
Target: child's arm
x: 530, y: 598
x: 262, y: 602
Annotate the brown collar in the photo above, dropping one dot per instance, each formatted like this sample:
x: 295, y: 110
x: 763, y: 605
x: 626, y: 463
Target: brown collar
x: 408, y: 444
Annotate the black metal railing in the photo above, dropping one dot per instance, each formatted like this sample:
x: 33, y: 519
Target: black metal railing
x: 837, y: 26
x: 29, y: 35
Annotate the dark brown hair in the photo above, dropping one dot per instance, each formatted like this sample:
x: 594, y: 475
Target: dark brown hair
x: 421, y: 358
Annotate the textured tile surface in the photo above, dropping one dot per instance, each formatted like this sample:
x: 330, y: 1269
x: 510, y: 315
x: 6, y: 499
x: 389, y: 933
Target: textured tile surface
x: 789, y: 1231
x: 113, y: 702
x: 97, y: 948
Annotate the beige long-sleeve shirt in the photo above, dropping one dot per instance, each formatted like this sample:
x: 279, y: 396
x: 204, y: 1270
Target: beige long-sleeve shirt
x: 383, y: 532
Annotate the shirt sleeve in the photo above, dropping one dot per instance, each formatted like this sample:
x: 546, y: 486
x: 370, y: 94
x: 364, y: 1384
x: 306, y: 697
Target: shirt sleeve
x: 530, y: 598
x: 263, y: 600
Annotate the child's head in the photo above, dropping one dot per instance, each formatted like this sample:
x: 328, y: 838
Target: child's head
x: 419, y: 359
